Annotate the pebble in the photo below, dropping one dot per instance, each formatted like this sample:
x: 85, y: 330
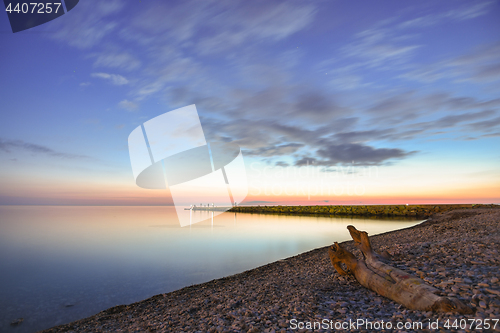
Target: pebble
x: 491, y: 291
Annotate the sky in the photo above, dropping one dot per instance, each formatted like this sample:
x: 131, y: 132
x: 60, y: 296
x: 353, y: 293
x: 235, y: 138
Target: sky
x: 331, y: 102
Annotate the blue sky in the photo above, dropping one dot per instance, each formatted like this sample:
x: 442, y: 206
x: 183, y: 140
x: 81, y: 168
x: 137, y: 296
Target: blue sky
x: 412, y: 88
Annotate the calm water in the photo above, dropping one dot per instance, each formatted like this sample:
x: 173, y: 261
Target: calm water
x: 59, y: 264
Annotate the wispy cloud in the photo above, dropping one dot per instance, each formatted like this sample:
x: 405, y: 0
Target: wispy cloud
x: 453, y: 120
x: 115, y: 79
x: 394, y: 46
x: 13, y: 146
x: 228, y: 23
x: 187, y: 32
x: 465, y: 12
x: 128, y: 105
x: 251, y: 22
x: 116, y: 59
x: 89, y: 24
x: 481, y: 65
x: 238, y: 62
x: 486, y: 125
x: 470, y: 11
x: 411, y: 104
x: 285, y: 149
x: 378, y: 47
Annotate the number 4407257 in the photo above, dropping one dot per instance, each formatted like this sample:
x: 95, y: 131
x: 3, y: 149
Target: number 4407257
x: 472, y: 323
x: 34, y: 7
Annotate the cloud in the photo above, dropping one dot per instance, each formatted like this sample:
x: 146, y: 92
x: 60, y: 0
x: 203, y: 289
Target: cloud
x: 347, y: 81
x: 245, y: 22
x: 174, y: 36
x: 222, y: 56
x: 333, y: 154
x: 327, y: 145
x: 285, y: 149
x: 261, y: 135
x: 173, y: 21
x: 389, y: 45
x: 361, y: 136
x: 211, y: 27
x: 89, y: 24
x: 397, y: 108
x: 481, y: 65
x: 486, y: 125
x: 487, y: 73
x: 420, y: 22
x: 379, y: 47
x: 408, y: 106
x: 129, y: 105
x: 122, y: 60
x: 337, y: 138
x: 492, y: 135
x: 281, y: 102
x: 428, y: 73
x: 315, y: 105
x: 115, y: 79
x: 282, y: 164
x: 174, y: 70
x: 453, y: 120
x: 272, y: 117
x: 470, y: 12
x: 9, y: 146
x: 466, y: 12
x: 482, y: 53
x: 447, y: 123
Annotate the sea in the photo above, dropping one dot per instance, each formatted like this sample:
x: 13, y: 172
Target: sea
x: 63, y: 263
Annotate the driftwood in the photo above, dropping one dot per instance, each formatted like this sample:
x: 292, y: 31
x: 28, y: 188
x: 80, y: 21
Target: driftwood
x: 395, y: 284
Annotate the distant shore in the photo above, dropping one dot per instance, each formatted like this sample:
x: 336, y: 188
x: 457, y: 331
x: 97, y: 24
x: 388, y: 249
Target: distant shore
x: 456, y: 251
x: 351, y: 210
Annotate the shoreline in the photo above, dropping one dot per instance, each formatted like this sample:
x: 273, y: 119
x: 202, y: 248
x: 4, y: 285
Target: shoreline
x: 455, y: 251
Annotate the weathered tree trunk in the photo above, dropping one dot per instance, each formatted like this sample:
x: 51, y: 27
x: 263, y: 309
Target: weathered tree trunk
x: 389, y: 281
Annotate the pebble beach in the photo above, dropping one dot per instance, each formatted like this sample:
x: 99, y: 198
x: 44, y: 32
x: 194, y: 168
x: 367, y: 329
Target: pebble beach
x: 456, y: 251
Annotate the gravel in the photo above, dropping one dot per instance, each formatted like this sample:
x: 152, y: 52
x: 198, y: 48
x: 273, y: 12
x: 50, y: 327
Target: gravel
x: 457, y: 252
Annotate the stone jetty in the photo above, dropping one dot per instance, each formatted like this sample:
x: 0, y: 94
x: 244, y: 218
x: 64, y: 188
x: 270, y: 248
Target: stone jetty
x: 351, y: 210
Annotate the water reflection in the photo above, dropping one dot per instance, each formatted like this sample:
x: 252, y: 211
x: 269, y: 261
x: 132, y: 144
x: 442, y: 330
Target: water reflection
x: 60, y: 264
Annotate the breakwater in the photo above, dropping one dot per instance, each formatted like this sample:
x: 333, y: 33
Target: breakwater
x: 349, y: 210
